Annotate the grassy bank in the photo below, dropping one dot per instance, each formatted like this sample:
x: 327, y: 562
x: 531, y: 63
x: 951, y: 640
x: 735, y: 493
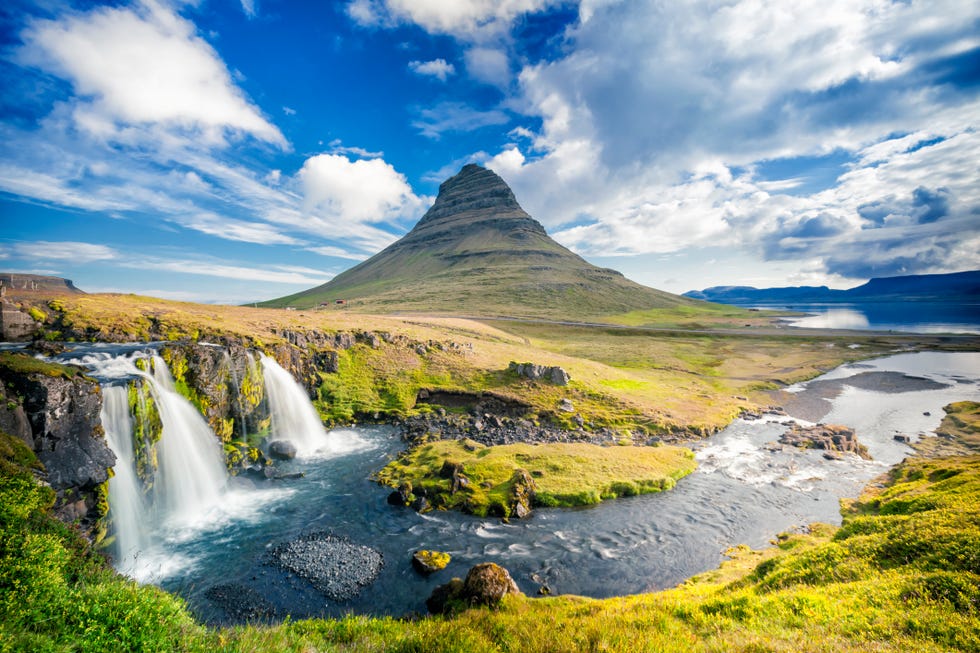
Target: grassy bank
x: 901, y: 574
x: 629, y: 378
x: 563, y: 475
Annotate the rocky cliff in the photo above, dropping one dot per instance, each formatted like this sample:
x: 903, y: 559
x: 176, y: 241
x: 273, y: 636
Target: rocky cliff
x: 55, y: 410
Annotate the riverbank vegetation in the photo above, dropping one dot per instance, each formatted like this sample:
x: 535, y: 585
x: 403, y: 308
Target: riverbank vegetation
x: 902, y: 573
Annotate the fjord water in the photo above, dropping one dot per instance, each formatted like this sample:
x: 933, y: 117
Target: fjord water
x: 912, y: 317
x: 743, y: 492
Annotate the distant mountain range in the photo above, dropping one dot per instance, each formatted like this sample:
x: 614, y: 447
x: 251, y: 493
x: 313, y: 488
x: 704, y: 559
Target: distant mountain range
x: 477, y: 252
x: 955, y: 287
x: 25, y: 283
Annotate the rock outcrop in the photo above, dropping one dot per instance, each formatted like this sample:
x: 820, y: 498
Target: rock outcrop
x: 552, y: 374
x: 832, y: 438
x: 486, y: 584
x: 62, y: 409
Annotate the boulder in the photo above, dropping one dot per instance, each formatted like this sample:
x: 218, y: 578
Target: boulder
x: 282, y: 449
x: 402, y: 496
x: 555, y: 375
x: 566, y: 406
x: 428, y: 562
x: 486, y: 584
x: 521, y: 494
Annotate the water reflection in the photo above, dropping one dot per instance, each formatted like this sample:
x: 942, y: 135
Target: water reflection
x: 835, y: 318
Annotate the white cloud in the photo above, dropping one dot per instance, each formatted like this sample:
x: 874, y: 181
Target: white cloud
x: 365, y: 191
x: 337, y: 252
x: 144, y: 66
x: 337, y: 147
x: 248, y: 6
x: 437, y: 68
x: 240, y: 230
x: 461, y: 18
x: 655, y: 121
x: 456, y: 117
x: 273, y: 274
x: 63, y: 251
x: 489, y: 65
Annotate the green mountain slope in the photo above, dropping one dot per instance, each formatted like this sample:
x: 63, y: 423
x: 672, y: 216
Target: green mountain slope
x: 477, y: 252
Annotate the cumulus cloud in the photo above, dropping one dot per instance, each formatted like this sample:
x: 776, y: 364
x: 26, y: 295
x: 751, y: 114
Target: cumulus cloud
x: 144, y: 66
x: 654, y: 121
x: 365, y: 191
x: 437, y: 68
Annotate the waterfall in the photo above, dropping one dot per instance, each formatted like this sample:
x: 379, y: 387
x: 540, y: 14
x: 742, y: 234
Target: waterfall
x: 191, y: 473
x: 293, y: 416
x: 126, y: 506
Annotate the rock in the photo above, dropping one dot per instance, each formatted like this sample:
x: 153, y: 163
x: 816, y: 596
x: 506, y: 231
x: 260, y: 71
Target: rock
x: 521, y: 494
x: 15, y: 326
x: 64, y: 428
x: 428, y: 562
x: 566, y: 406
x: 240, y: 602
x: 486, y: 584
x: 442, y: 597
x: 282, y: 449
x: 903, y: 438
x: 555, y: 375
x: 335, y: 566
x: 831, y: 438
x: 402, y: 496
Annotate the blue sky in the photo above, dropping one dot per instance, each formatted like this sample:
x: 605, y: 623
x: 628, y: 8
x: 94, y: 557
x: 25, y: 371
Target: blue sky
x: 239, y: 150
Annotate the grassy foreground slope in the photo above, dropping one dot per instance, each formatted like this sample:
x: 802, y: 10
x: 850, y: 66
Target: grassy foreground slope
x: 901, y: 574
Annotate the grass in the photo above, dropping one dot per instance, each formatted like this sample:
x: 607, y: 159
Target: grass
x: 564, y: 474
x: 632, y: 378
x: 20, y: 363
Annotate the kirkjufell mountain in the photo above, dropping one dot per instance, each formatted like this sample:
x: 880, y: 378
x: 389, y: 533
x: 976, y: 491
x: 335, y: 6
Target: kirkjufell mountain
x: 477, y: 252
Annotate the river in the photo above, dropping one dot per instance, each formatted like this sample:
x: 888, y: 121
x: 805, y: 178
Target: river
x: 742, y: 492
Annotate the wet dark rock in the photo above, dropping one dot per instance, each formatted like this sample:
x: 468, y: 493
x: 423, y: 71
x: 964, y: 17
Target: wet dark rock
x: 64, y: 428
x: 402, y: 496
x: 240, y: 603
x: 335, y: 566
x: 903, y: 438
x: 282, y: 449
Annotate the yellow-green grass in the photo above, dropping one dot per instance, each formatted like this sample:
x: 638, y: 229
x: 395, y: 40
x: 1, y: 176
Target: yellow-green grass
x: 564, y: 474
x: 958, y: 434
x: 21, y: 363
x: 628, y: 378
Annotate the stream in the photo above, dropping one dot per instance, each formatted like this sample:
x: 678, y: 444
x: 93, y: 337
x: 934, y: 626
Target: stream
x: 746, y: 490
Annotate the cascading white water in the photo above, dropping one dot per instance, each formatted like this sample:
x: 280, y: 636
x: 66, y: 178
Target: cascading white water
x: 126, y: 506
x: 293, y: 416
x: 191, y: 473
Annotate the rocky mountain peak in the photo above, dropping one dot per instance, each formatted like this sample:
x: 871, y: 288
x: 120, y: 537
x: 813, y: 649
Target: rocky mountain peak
x: 474, y: 194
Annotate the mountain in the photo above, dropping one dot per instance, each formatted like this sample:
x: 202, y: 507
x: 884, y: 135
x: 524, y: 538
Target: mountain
x: 477, y: 252
x: 16, y: 283
x: 953, y: 288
